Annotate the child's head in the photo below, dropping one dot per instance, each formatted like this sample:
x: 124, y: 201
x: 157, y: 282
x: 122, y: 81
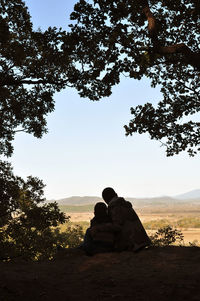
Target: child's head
x: 100, y: 210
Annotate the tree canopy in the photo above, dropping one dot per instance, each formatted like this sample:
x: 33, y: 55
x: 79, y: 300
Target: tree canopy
x: 33, y: 66
x: 30, y: 227
x: 25, y: 221
x: 108, y: 39
x: 136, y: 38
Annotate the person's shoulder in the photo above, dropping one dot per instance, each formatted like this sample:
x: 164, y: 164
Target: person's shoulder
x: 93, y: 222
x: 117, y: 201
x: 128, y: 204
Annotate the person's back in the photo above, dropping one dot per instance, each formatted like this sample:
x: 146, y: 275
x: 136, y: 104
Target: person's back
x: 101, y: 228
x: 132, y: 235
x: 100, y: 237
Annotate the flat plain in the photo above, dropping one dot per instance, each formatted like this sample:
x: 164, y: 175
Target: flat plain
x: 181, y: 217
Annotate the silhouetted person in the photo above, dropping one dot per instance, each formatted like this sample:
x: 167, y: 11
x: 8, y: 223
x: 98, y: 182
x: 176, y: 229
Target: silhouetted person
x: 100, y: 237
x: 132, y: 235
x: 100, y: 214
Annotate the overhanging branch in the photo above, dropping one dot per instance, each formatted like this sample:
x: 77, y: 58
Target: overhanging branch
x: 191, y: 57
x: 152, y: 28
x: 13, y: 82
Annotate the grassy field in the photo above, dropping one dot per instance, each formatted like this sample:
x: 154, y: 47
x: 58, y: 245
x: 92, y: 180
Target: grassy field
x: 185, y: 219
x: 78, y: 208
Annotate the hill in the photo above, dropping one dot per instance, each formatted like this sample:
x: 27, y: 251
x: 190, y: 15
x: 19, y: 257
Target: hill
x: 191, y: 195
x: 161, y: 202
x: 78, y: 200
x: 163, y: 274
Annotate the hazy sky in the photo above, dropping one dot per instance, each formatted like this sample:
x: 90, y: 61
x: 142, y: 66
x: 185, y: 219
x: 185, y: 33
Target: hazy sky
x: 86, y: 148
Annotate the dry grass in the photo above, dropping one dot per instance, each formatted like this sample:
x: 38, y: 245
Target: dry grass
x: 79, y: 217
x: 190, y: 235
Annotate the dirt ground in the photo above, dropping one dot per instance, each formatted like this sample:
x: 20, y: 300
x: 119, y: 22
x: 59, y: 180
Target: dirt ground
x: 154, y: 274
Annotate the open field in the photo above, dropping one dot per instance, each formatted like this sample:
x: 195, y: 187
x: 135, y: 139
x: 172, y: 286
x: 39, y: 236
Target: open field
x: 186, y: 219
x: 191, y: 236
x: 146, y: 215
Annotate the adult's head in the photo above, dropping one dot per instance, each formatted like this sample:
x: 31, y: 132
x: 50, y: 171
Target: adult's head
x: 108, y: 193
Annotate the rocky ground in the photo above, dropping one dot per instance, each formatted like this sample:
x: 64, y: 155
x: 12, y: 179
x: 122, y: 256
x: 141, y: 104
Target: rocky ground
x: 155, y: 274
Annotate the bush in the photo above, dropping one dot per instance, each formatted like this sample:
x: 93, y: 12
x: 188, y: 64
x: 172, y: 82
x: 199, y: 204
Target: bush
x: 71, y: 237
x: 28, y: 226
x: 194, y: 243
x: 166, y: 236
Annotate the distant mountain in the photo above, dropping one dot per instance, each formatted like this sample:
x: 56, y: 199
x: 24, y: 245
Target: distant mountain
x: 79, y: 200
x: 85, y: 200
x: 137, y: 202
x: 191, y: 195
x: 149, y: 202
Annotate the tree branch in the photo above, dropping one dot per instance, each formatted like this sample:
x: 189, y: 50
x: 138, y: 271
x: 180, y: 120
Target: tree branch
x: 152, y: 28
x: 191, y: 57
x: 24, y: 130
x: 13, y: 82
x: 194, y: 91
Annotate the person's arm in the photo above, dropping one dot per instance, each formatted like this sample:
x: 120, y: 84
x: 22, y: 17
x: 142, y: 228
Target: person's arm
x: 92, y: 222
x: 116, y: 215
x: 105, y: 227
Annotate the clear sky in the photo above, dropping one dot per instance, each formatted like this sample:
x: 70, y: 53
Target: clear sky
x: 86, y: 149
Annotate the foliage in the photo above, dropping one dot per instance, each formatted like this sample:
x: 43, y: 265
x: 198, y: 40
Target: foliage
x: 166, y: 236
x: 186, y: 222
x: 33, y: 66
x: 194, y: 243
x: 156, y: 224
x: 25, y: 220
x: 189, y: 222
x: 79, y: 224
x: 107, y: 39
x: 156, y: 39
x: 72, y: 236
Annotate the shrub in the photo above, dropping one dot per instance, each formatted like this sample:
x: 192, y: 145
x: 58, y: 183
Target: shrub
x: 194, y: 243
x: 71, y: 237
x: 166, y: 236
x: 28, y: 226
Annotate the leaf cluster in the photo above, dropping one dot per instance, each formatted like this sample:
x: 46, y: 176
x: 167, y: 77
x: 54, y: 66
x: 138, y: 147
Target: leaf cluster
x: 108, y: 39
x: 28, y: 225
x: 166, y: 236
x: 155, y: 39
x: 33, y: 66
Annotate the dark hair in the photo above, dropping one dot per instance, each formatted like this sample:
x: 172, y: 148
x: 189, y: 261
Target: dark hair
x: 100, y: 207
x: 100, y: 212
x: 108, y: 193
